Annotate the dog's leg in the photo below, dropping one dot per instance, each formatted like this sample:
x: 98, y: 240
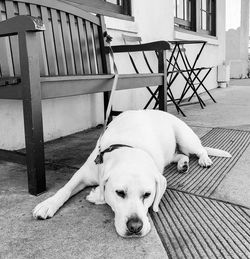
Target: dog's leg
x: 200, y: 152
x: 87, y: 175
x: 189, y: 143
x: 182, y: 162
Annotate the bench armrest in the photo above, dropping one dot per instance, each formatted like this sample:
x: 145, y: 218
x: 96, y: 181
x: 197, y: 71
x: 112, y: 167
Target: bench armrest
x: 20, y: 23
x: 152, y: 46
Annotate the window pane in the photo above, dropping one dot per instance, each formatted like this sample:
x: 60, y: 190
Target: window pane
x: 180, y: 9
x: 204, y: 4
x: 206, y: 15
x: 203, y: 20
x: 188, y: 10
x: 175, y: 14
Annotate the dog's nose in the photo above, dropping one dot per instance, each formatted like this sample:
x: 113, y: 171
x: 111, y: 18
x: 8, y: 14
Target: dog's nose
x: 134, y: 225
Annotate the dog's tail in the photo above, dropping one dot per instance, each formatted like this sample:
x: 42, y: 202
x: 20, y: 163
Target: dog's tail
x: 217, y: 152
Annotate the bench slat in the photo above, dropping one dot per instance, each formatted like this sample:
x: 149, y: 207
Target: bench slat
x: 5, y: 52
x: 91, y: 47
x: 67, y: 44
x: 23, y: 9
x: 76, y: 46
x: 35, y: 11
x: 50, y: 48
x: 55, y: 87
x: 97, y: 49
x: 84, y: 46
x: 10, y: 12
x: 56, y: 23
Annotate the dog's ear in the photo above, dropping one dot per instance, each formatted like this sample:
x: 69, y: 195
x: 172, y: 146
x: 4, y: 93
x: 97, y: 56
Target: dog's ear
x: 161, y: 185
x: 104, y: 174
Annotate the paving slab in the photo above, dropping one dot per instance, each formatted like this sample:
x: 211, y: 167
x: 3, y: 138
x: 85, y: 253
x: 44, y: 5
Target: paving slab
x: 232, y: 109
x: 235, y: 187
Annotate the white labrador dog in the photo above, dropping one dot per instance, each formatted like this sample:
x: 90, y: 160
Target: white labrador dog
x: 135, y: 148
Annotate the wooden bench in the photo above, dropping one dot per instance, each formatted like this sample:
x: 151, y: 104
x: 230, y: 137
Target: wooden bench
x: 50, y: 49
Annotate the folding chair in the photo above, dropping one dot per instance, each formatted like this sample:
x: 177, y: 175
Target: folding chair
x: 128, y: 39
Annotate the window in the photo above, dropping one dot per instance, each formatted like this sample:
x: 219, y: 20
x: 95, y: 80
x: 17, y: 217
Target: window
x: 196, y: 15
x: 183, y: 13
x: 207, y: 20
x: 115, y: 8
x: 123, y: 5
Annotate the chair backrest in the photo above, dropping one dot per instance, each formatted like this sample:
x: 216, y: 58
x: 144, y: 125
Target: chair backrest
x: 131, y: 39
x: 72, y: 43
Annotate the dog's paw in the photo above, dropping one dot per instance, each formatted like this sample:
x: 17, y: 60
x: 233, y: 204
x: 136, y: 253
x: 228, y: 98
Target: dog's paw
x: 95, y: 196
x: 205, y: 161
x: 183, y: 168
x: 45, y: 209
x: 183, y: 165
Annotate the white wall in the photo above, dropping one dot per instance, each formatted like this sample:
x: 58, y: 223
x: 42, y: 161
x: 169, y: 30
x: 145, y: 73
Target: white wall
x: 61, y: 117
x: 153, y: 21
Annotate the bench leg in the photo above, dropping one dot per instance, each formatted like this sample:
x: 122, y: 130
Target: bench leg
x: 32, y: 110
x: 34, y: 146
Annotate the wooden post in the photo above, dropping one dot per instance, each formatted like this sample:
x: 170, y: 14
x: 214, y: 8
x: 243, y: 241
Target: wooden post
x: 32, y: 111
x: 163, y: 89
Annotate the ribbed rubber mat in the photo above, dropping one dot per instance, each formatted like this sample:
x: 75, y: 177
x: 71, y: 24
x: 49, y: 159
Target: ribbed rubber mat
x: 194, y: 227
x: 203, y: 181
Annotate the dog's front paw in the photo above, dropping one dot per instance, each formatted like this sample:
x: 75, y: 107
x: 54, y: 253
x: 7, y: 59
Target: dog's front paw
x: 95, y: 196
x: 45, y: 209
x: 183, y: 165
x: 205, y: 161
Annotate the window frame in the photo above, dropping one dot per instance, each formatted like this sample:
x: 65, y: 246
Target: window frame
x: 195, y: 24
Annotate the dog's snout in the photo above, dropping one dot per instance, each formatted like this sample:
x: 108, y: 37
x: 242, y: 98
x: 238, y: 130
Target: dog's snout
x: 134, y: 225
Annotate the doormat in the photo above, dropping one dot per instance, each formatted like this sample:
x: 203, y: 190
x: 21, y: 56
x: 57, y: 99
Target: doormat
x: 191, y: 226
x: 203, y: 181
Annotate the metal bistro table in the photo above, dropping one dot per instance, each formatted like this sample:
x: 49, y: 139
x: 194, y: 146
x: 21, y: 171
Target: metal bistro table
x: 180, y: 63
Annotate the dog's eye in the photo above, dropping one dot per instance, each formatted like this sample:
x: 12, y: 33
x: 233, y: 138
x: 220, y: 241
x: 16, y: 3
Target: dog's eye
x: 146, y: 195
x: 121, y: 193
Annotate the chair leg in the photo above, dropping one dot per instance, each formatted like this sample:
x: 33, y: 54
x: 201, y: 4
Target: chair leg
x: 201, y: 84
x: 163, y: 89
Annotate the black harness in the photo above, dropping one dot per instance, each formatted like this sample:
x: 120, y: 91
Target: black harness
x: 99, y: 158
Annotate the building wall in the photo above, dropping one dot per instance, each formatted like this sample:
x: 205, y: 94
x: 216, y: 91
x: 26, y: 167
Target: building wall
x: 68, y: 115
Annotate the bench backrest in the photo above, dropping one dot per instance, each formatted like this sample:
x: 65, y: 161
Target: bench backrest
x: 72, y: 43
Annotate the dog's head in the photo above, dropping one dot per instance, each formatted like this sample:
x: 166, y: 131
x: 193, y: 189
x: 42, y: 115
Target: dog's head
x: 131, y: 183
